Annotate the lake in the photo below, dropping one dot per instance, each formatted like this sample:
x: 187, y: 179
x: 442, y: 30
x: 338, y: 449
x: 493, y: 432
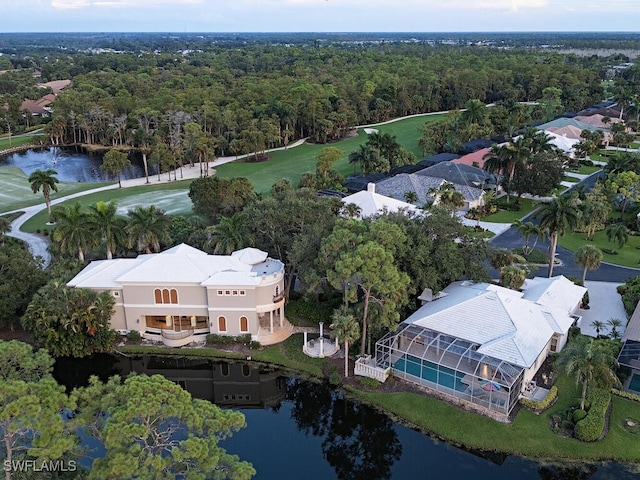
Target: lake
x: 302, y: 429
x: 71, y: 166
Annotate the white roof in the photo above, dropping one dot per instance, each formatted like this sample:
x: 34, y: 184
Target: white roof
x: 565, y: 144
x: 503, y: 324
x: 250, y: 256
x: 179, y: 265
x: 557, y: 292
x: 372, y: 203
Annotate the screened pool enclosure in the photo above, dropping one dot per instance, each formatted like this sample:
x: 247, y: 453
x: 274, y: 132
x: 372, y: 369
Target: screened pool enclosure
x: 451, y: 366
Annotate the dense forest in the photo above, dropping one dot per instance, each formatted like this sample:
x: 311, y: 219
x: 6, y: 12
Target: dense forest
x: 237, y: 94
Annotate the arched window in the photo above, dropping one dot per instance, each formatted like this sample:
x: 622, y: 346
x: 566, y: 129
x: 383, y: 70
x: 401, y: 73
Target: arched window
x: 157, y: 294
x: 244, y: 324
x: 222, y: 324
x: 174, y: 295
x: 165, y: 296
x: 224, y: 369
x: 277, y: 290
x: 246, y: 371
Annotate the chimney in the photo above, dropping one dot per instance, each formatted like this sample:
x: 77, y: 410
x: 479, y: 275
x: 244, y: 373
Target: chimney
x: 371, y: 187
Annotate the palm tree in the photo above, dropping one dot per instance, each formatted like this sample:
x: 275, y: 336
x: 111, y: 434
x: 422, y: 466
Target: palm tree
x: 109, y: 227
x: 589, y: 362
x: 147, y: 228
x: 597, y: 324
x: 73, y: 232
x: 555, y: 217
x: 526, y: 229
x: 614, y: 323
x: 351, y: 210
x: 410, y: 196
x: 366, y: 156
x: 229, y: 235
x: 589, y: 258
x: 618, y: 234
x: 44, y: 180
x: 347, y: 329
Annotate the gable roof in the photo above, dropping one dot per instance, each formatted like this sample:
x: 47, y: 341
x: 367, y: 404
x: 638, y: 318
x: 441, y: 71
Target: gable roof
x: 563, y: 122
x: 555, y: 292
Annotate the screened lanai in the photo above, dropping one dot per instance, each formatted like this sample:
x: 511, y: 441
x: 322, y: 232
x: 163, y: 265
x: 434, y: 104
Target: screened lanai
x: 450, y: 365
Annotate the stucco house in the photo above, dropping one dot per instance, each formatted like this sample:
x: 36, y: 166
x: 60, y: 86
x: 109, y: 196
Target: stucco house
x: 182, y: 294
x: 482, y: 344
x: 370, y: 203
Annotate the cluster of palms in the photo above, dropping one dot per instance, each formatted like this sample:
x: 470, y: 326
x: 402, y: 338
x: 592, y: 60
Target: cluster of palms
x: 80, y: 229
x: 508, y: 158
x: 381, y: 153
x: 614, y: 323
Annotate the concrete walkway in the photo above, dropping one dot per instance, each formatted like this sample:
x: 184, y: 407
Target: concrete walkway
x: 605, y: 303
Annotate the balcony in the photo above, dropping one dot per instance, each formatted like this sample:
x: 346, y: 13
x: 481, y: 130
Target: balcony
x: 177, y: 339
x: 278, y: 298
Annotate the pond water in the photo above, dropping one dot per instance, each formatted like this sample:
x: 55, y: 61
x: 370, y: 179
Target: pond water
x: 302, y: 429
x: 71, y: 166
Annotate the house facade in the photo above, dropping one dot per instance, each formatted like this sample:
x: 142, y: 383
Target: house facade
x: 182, y: 294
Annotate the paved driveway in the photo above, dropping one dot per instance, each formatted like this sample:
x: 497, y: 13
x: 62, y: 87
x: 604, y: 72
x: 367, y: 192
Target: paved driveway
x: 605, y: 303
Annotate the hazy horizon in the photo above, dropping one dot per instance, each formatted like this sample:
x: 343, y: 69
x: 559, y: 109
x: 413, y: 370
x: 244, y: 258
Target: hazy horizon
x: 321, y: 16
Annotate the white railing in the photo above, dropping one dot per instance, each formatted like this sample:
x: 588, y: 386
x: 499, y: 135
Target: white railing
x: 366, y: 368
x: 177, y: 339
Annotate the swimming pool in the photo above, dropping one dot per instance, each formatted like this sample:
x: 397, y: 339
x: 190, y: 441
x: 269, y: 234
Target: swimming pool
x: 446, y: 377
x: 634, y: 384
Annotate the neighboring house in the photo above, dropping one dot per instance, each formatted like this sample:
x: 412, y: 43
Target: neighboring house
x: 371, y: 203
x: 56, y: 85
x: 475, y: 159
x: 482, y: 343
x: 459, y: 174
x: 630, y: 354
x: 423, y: 187
x: 564, y: 122
x: 182, y: 294
x: 40, y: 107
x: 562, y: 143
x: 439, y: 158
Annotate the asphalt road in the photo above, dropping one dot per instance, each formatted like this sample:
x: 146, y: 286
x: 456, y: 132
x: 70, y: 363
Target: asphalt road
x: 606, y: 273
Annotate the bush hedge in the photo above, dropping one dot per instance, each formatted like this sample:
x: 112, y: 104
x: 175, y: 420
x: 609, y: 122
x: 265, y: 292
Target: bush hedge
x: 591, y: 427
x: 539, y: 406
x: 134, y: 336
x: 214, y: 339
x: 579, y: 415
x: 627, y: 395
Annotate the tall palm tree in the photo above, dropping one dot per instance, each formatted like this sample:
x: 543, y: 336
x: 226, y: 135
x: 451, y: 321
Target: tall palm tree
x: 597, y: 324
x: 589, y: 362
x: 618, y: 235
x: 614, y: 323
x: 366, y: 156
x: 555, y: 217
x: 347, y: 329
x: 410, y: 196
x: 73, y: 231
x: 44, y: 180
x: 589, y: 258
x: 109, y: 227
x: 147, y: 228
x: 229, y: 235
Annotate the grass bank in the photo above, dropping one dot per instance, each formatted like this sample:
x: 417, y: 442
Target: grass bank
x: 529, y: 435
x: 506, y: 216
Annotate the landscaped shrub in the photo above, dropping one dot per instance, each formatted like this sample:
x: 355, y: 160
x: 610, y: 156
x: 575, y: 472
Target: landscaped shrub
x: 579, y: 415
x: 134, y: 336
x: 215, y: 339
x: 335, y: 379
x: 627, y: 395
x: 254, y: 345
x: 539, y: 406
x: 245, y: 338
x: 591, y: 427
x: 368, y: 383
x: 512, y: 206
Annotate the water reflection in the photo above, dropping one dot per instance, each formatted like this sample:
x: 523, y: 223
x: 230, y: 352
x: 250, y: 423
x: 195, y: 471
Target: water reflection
x: 302, y: 429
x: 71, y: 166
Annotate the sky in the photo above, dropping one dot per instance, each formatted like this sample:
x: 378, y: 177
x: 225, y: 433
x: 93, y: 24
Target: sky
x: 318, y: 15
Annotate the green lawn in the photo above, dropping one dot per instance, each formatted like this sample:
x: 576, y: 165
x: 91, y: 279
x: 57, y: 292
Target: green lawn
x: 528, y: 435
x: 567, y: 178
x: 628, y: 256
x: 15, y: 191
x: 603, y: 155
x: 505, y: 216
x: 588, y: 170
x: 163, y: 195
x: 6, y: 142
x: 294, y: 162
